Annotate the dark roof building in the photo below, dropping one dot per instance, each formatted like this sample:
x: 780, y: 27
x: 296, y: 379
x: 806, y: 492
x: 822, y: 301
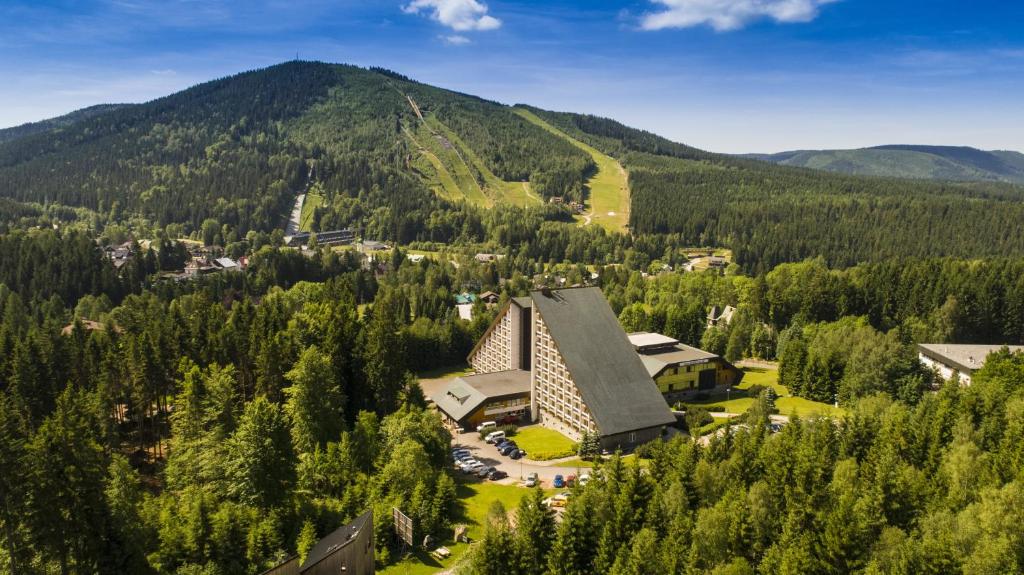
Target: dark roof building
x: 349, y: 549
x: 585, y: 376
x: 499, y: 396
x: 594, y: 353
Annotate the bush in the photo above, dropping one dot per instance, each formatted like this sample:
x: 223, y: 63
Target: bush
x: 696, y: 417
x: 756, y: 389
x: 713, y: 408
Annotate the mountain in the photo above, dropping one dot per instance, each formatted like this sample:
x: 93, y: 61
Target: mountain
x: 237, y: 150
x: 903, y: 161
x: 404, y: 161
x: 52, y: 124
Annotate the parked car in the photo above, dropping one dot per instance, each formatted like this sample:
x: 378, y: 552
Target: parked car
x: 483, y: 472
x: 486, y: 425
x: 559, y: 500
x: 497, y: 474
x: 474, y: 468
x: 559, y: 481
x: 531, y: 480
x: 517, y: 453
x: 508, y: 448
x: 494, y: 436
x: 459, y: 452
x: 570, y: 480
x: 584, y: 479
x: 467, y: 463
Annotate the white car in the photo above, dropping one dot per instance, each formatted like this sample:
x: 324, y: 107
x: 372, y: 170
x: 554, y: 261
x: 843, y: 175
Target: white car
x: 531, y: 480
x: 466, y: 464
x: 584, y: 479
x: 486, y: 425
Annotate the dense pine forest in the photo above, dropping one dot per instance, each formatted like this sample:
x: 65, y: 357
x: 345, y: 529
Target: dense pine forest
x: 216, y: 424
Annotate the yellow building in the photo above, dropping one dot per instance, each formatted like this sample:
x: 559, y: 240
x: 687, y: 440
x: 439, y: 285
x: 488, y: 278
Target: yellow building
x: 679, y: 369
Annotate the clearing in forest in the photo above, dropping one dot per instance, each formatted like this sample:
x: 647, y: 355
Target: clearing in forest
x: 608, y: 197
x: 454, y: 171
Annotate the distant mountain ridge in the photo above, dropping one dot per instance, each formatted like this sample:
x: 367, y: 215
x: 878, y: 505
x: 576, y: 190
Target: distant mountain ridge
x: 957, y: 163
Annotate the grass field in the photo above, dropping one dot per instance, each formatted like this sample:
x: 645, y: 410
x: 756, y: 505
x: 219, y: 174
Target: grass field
x: 739, y: 401
x: 474, y: 500
x: 542, y: 444
x: 609, y: 187
x: 313, y: 201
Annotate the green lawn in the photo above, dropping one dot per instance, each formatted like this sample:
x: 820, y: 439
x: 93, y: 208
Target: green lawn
x: 474, y: 500
x: 542, y: 444
x: 313, y: 201
x: 762, y: 376
x: 805, y: 407
x: 740, y: 402
x: 609, y: 187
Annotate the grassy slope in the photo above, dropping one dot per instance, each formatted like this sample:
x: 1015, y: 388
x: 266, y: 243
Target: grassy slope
x: 494, y: 187
x: 609, y: 188
x: 433, y: 171
x: 455, y: 169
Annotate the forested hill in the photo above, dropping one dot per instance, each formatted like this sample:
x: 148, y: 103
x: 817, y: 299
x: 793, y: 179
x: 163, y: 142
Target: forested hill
x: 13, y: 133
x: 405, y: 161
x: 902, y: 161
x: 238, y: 149
x: 769, y: 214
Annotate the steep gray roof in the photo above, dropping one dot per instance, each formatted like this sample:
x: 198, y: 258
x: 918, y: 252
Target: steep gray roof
x: 464, y: 394
x: 611, y: 378
x: 336, y: 540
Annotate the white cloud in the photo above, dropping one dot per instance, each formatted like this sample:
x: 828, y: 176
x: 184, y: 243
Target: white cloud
x: 456, y: 40
x: 724, y: 15
x: 459, y: 15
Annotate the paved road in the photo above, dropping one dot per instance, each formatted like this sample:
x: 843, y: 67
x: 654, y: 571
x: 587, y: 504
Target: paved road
x: 295, y: 220
x: 488, y: 454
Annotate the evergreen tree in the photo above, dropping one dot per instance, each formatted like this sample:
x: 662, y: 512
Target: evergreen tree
x: 315, y: 402
x: 261, y: 469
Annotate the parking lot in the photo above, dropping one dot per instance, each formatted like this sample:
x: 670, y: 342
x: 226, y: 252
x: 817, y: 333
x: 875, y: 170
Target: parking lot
x: 517, y: 469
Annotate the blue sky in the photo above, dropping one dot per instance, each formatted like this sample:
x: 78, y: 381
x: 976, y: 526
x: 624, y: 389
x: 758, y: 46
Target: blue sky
x: 723, y: 75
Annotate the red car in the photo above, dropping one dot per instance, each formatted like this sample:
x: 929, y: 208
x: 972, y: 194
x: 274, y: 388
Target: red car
x: 570, y: 480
